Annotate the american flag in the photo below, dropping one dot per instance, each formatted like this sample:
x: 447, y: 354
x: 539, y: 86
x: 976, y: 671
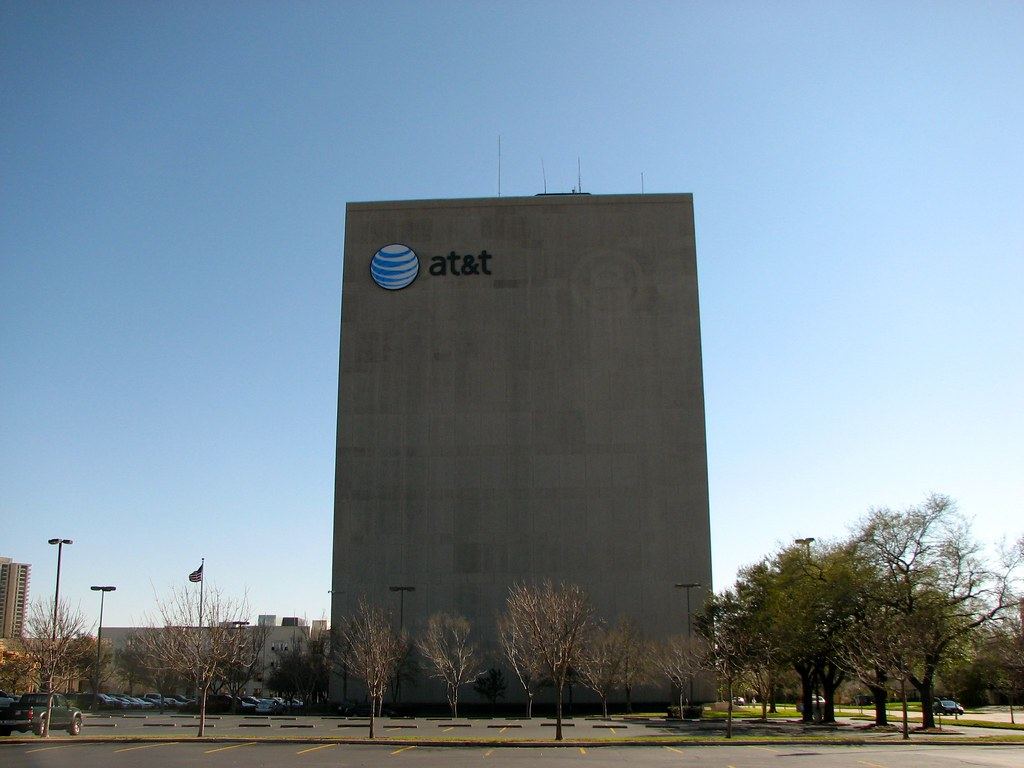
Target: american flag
x: 196, y: 575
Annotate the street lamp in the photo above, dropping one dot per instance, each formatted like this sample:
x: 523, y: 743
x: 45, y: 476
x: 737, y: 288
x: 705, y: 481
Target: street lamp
x: 806, y: 542
x: 688, y: 586
x: 99, y: 641
x: 53, y: 638
x: 401, y: 590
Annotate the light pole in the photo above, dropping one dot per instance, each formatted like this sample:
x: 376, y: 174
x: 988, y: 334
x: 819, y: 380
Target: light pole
x: 99, y: 641
x: 401, y: 590
x: 53, y: 638
x: 689, y: 638
x: 806, y: 542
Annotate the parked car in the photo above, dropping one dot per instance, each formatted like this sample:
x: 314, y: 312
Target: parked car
x: 947, y: 707
x: 157, y: 700
x: 817, y: 703
x: 5, y: 699
x: 268, y: 707
x: 248, y: 704
x: 29, y: 713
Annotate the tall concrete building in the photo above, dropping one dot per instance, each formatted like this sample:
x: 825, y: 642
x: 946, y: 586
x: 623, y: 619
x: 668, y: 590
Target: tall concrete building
x: 13, y: 597
x: 520, y: 398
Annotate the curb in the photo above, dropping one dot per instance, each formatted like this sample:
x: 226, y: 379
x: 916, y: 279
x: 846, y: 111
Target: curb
x: 981, y: 741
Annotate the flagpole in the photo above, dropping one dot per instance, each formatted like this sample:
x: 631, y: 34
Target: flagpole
x: 202, y: 583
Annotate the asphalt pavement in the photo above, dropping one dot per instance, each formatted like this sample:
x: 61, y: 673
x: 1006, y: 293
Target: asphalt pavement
x: 255, y: 754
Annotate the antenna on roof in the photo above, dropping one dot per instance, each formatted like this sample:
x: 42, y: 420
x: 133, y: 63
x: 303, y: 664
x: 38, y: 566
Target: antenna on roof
x: 544, y: 175
x: 499, y: 165
x: 579, y: 175
x: 641, y: 182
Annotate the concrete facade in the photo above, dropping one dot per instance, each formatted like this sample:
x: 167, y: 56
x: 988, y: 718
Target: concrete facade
x: 545, y: 420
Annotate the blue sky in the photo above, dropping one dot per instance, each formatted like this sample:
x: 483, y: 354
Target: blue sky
x: 173, y: 179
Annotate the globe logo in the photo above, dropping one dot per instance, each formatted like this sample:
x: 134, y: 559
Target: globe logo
x: 394, y: 266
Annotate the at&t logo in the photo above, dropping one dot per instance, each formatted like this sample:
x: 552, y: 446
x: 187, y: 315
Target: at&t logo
x: 394, y: 266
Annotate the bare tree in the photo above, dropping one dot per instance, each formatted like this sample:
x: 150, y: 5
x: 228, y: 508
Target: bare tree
x: 526, y: 666
x: 600, y: 666
x: 53, y: 643
x: 491, y: 685
x: 636, y: 659
x: 553, y: 621
x: 679, y: 658
x: 445, y: 645
x: 304, y: 669
x: 236, y: 675
x: 130, y: 662
x: 373, y: 648
x: 180, y: 645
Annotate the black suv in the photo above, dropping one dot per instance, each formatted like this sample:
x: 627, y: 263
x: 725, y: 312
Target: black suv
x: 947, y: 707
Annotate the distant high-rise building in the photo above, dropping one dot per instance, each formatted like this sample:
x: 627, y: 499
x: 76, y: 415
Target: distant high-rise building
x: 13, y: 597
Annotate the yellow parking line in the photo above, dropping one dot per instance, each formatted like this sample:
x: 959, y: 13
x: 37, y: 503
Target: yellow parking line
x: 314, y: 749
x: 452, y: 728
x: 44, y: 749
x: 873, y: 765
x: 583, y: 751
x: 503, y: 730
x: 147, y: 746
x: 612, y: 730
x: 229, y: 746
x: 403, y: 749
x: 488, y: 753
x: 673, y: 749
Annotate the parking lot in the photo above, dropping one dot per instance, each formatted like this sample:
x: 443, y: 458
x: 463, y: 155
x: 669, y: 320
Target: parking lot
x: 487, y: 729
x: 171, y: 754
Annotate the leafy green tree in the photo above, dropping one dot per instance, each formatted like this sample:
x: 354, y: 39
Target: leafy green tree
x: 931, y: 573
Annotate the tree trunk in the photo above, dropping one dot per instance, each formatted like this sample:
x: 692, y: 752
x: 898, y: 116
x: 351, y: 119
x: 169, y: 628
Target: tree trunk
x: 373, y: 712
x: 202, y: 709
x: 728, y: 721
x: 604, y: 706
x: 831, y: 679
x: 529, y: 705
x: 629, y: 699
x: 49, y: 709
x: 903, y: 696
x: 807, y: 694
x: 771, y: 702
x: 453, y: 700
x: 558, y: 712
x: 879, y: 696
x: 924, y: 686
x: 764, y: 710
